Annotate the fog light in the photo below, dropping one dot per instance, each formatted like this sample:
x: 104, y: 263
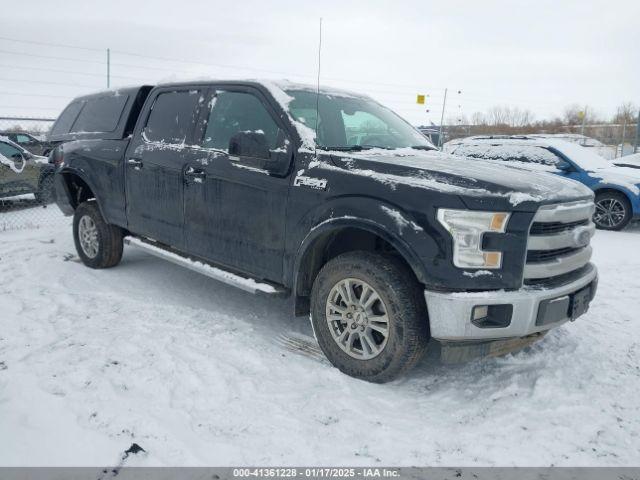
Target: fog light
x: 479, y: 312
x: 492, y: 316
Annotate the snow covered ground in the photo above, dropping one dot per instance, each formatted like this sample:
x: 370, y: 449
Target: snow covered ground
x: 198, y: 373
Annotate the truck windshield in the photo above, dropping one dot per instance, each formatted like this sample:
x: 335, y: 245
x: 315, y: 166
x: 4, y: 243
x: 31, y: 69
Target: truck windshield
x: 353, y: 123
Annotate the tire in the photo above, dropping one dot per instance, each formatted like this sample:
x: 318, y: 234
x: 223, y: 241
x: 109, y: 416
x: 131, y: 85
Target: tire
x: 88, y: 223
x: 44, y: 195
x: 613, y: 211
x: 398, y: 294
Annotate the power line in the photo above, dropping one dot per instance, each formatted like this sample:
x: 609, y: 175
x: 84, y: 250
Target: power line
x: 48, y: 83
x: 23, y: 54
x: 74, y: 72
x: 49, y: 44
x: 21, y: 107
x: 201, y: 63
x: 20, y: 94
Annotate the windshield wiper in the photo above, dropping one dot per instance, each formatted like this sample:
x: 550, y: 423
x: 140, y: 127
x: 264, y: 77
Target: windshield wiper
x: 346, y: 148
x: 423, y: 147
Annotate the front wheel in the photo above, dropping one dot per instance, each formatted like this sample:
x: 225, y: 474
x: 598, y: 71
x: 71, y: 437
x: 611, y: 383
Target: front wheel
x: 369, y: 316
x: 613, y: 211
x: 99, y: 244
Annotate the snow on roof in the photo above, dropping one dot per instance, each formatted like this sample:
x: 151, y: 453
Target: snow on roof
x: 537, y: 155
x: 504, y: 147
x: 570, y: 137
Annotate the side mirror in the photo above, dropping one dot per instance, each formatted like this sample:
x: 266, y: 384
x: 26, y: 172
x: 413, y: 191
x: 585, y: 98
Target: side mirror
x: 249, y: 144
x: 565, y: 167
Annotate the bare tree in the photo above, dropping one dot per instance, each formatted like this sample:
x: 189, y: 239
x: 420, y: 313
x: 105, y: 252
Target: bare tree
x: 626, y: 113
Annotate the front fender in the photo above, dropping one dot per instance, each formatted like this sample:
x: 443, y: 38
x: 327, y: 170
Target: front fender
x: 380, y: 218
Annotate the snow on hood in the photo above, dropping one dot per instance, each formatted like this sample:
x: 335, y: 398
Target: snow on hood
x: 438, y: 171
x: 627, y: 177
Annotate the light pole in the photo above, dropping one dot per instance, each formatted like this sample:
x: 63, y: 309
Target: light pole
x: 635, y: 142
x: 444, y: 104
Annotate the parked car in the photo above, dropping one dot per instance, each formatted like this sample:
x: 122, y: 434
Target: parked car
x: 21, y: 172
x: 617, y: 188
x: 29, y: 142
x: 630, y: 161
x: 596, y: 146
x: 382, y: 240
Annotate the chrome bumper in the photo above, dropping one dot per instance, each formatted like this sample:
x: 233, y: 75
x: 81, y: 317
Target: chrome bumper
x: 450, y: 313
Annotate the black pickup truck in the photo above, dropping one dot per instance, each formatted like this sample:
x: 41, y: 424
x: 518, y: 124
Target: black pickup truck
x: 333, y: 199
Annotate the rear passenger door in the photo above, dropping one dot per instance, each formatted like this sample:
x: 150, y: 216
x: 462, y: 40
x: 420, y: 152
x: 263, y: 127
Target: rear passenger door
x: 155, y: 164
x: 235, y: 213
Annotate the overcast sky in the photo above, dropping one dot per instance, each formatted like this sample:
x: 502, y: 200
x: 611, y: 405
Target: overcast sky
x: 539, y: 55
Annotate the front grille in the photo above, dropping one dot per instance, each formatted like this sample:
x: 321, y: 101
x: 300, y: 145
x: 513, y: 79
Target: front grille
x: 537, y: 256
x: 560, y: 280
x: 558, y: 244
x: 555, y: 227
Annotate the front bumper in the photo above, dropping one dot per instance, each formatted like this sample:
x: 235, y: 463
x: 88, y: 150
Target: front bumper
x: 450, y: 314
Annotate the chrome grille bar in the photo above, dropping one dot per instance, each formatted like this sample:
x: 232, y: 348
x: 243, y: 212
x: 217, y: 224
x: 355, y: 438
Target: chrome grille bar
x: 571, y: 242
x: 561, y: 240
x: 566, y: 212
x: 558, y: 266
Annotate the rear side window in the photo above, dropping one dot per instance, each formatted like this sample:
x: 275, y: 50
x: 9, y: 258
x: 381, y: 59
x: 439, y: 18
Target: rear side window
x: 100, y: 114
x: 172, y: 116
x: 66, y: 118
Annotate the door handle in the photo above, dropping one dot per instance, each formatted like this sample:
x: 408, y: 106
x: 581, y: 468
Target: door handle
x: 135, y: 163
x: 197, y: 174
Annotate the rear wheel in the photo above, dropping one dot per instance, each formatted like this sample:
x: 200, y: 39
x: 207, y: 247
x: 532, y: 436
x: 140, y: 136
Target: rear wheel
x: 613, y: 211
x: 99, y: 244
x: 369, y: 316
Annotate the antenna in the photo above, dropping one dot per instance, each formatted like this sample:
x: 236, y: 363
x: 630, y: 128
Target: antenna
x: 318, y: 86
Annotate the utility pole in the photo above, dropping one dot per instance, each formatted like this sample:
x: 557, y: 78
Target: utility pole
x: 635, y: 142
x: 108, y: 68
x: 444, y: 104
x: 624, y: 134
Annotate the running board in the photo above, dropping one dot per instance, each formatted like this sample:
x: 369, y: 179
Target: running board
x: 224, y: 276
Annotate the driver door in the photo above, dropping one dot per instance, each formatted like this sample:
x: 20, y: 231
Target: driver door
x: 235, y: 211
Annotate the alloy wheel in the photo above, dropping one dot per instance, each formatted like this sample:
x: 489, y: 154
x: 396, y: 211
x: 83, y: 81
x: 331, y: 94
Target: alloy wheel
x: 357, y: 318
x: 88, y: 236
x: 610, y: 212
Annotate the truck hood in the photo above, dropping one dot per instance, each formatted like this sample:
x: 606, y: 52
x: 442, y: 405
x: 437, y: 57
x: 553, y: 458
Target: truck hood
x: 439, y: 171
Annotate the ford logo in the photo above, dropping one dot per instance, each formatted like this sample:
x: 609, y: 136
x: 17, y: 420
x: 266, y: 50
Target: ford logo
x: 581, y: 236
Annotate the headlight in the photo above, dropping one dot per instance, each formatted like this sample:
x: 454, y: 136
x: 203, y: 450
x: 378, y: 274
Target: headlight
x: 467, y: 227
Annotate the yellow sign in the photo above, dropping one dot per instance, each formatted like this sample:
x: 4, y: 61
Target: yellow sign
x: 420, y: 99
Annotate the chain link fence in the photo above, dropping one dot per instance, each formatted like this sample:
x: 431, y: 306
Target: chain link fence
x: 26, y: 176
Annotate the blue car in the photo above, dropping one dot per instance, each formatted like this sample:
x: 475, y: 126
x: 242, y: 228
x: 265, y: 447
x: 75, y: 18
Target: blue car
x: 617, y: 187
